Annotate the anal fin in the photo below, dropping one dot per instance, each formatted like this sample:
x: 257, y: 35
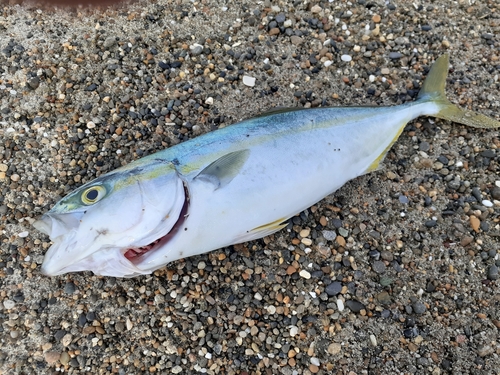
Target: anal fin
x: 262, y: 231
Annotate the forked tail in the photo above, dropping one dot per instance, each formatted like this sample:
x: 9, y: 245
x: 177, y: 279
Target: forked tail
x: 433, y: 91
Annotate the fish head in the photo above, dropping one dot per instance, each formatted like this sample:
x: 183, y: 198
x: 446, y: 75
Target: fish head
x: 103, y: 225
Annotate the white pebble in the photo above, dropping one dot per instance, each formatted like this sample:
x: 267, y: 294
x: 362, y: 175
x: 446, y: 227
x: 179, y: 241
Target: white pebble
x: 8, y: 304
x: 497, y: 183
x: 304, y: 274
x: 287, y: 23
x: 258, y: 296
x: 23, y: 234
x: 209, y: 100
x: 340, y: 305
x: 90, y: 125
x: 346, y: 58
x: 249, y: 81
x: 315, y: 361
x: 271, y: 309
x: 373, y: 340
x: 371, y: 78
x: 487, y: 203
x: 294, y: 330
x: 459, y: 164
x: 327, y: 63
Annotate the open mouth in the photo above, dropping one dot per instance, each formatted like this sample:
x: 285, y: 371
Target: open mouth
x: 133, y: 254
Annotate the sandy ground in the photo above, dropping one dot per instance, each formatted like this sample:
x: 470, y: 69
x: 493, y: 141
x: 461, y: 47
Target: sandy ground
x: 396, y: 273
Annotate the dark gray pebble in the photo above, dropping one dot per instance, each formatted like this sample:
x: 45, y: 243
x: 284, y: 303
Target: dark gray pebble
x: 493, y: 272
x: 280, y: 18
x: 395, y: 55
x: 495, y: 193
x: 34, y: 82
x: 424, y: 146
x: 430, y: 223
x: 404, y: 199
x: 334, y: 288
x: 354, y: 305
x: 119, y: 327
x: 419, y: 308
x: 385, y: 314
x: 476, y: 193
x: 69, y: 288
x: 60, y: 334
x: 379, y: 266
x: 490, y: 154
x: 443, y: 160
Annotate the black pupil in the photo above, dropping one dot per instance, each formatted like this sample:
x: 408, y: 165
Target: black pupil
x: 92, y: 194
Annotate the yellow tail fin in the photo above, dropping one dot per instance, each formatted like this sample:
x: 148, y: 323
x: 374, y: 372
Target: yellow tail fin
x: 433, y: 90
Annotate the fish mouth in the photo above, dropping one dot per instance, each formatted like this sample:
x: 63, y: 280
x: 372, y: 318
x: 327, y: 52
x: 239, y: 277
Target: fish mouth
x: 136, y: 254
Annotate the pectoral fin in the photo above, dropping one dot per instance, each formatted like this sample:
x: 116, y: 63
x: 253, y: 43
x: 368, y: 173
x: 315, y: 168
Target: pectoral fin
x: 222, y: 171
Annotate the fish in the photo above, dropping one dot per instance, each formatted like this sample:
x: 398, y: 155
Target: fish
x: 233, y: 185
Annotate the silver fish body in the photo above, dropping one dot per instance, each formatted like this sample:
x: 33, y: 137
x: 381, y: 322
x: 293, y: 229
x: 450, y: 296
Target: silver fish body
x: 229, y: 186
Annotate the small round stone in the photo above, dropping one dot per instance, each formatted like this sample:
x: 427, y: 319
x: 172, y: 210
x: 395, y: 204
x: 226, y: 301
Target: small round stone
x: 334, y: 288
x: 419, y: 308
x: 493, y: 272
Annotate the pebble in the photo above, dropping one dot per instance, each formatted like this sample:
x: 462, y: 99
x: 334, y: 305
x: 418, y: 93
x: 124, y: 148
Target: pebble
x: 305, y: 274
x: 487, y: 203
x: 485, y: 350
x: 248, y: 81
x: 378, y: 266
x: 334, y: 288
x: 495, y: 192
x: 355, y: 306
x: 493, y: 272
x: 51, y: 357
x: 346, y: 58
x: 315, y: 361
x: 419, y: 308
x: 316, y: 9
x: 329, y: 235
x: 8, y: 304
x: 69, y: 288
x: 395, y: 55
x: 334, y: 348
x: 475, y: 223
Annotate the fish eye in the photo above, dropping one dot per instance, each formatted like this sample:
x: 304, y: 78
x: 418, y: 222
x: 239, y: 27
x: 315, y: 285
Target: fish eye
x: 93, y: 194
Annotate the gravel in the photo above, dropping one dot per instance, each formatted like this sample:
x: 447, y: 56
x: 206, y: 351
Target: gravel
x: 397, y: 272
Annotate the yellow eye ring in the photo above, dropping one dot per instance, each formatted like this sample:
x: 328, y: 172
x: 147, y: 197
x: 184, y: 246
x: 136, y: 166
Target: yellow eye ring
x: 93, y: 194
